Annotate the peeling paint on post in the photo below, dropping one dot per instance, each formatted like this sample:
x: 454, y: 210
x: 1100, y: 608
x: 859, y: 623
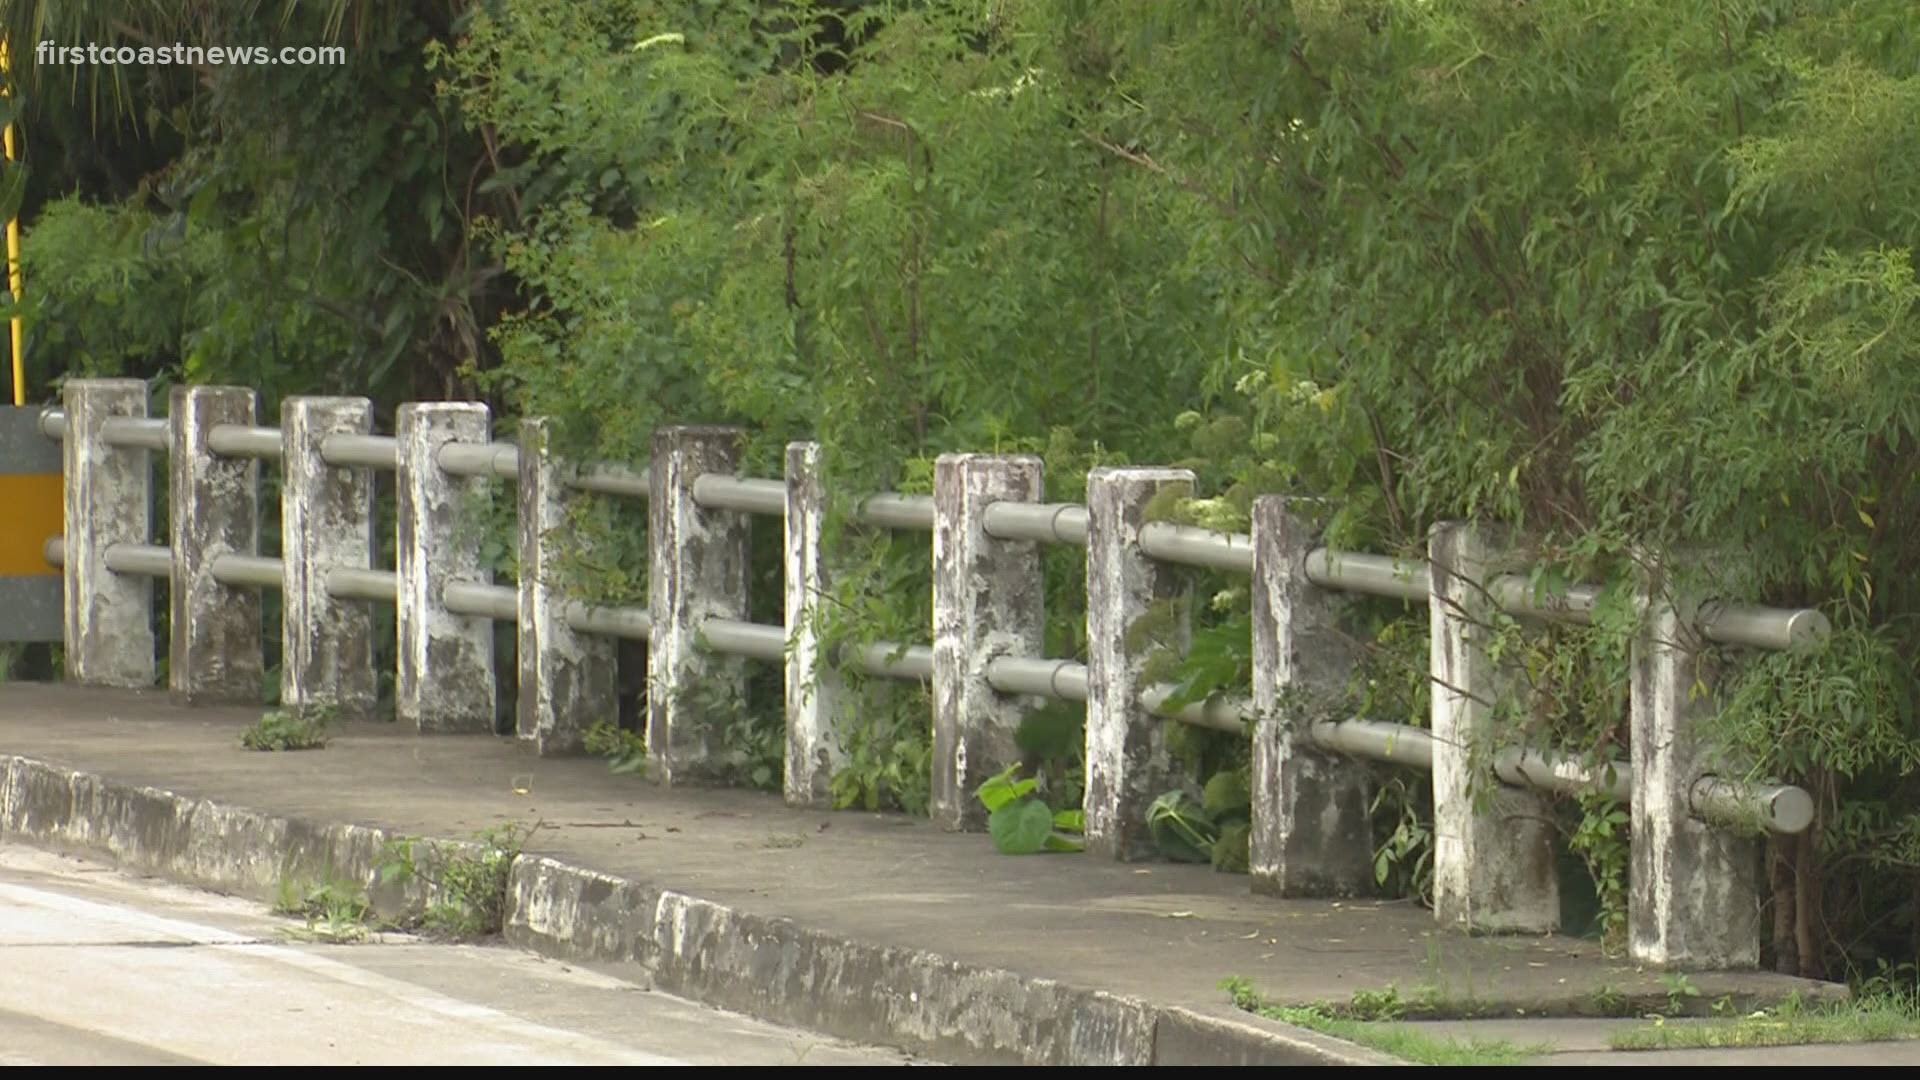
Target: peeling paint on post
x: 326, y: 520
x: 988, y: 602
x: 109, y: 617
x: 1694, y: 900
x: 1493, y: 867
x: 815, y: 691
x: 215, y: 654
x: 1127, y: 762
x: 697, y: 571
x: 1312, y: 835
x: 566, y: 678
x: 445, y: 678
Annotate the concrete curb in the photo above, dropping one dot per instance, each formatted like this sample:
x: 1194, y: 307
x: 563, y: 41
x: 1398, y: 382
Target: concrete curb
x: 770, y: 968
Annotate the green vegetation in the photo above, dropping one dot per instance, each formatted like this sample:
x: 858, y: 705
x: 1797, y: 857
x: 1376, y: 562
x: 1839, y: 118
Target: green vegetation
x: 625, y: 751
x: 336, y: 913
x: 1874, y: 1019
x: 1369, y: 1023
x: 1631, y: 278
x: 289, y: 729
x: 466, y: 882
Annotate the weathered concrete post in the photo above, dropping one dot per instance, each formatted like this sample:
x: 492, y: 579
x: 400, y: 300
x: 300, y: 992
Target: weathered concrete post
x: 445, y: 680
x: 816, y: 693
x: 326, y: 520
x: 698, y: 571
x: 1493, y: 868
x: 1311, y: 831
x: 1694, y: 900
x: 215, y: 510
x: 566, y: 678
x: 1127, y: 762
x: 988, y: 602
x: 109, y: 490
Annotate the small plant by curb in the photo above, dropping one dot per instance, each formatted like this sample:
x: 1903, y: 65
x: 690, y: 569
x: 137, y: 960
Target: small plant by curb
x: 336, y: 913
x: 290, y: 729
x: 625, y: 751
x: 467, y: 888
x: 1022, y: 823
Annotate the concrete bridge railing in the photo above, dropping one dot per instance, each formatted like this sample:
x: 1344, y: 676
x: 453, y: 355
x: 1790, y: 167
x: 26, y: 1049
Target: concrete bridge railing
x: 1694, y: 897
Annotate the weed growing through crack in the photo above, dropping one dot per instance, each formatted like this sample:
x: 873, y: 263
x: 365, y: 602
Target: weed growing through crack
x: 336, y: 913
x: 290, y: 729
x: 1378, y: 1031
x: 468, y: 887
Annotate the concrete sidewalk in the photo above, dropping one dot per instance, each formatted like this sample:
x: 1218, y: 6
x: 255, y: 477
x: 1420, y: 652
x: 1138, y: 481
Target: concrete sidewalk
x: 875, y: 928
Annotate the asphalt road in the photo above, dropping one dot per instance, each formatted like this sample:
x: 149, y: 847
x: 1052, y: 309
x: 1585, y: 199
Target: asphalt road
x: 101, y: 968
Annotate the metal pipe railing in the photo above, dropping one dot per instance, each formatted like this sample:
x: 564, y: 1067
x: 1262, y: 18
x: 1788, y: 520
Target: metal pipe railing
x: 620, y: 622
x: 1061, y: 680
x: 359, y: 583
x: 911, y: 663
x: 1375, y: 575
x: 243, y: 441
x: 148, y: 559
x: 53, y: 424
x: 1777, y: 808
x: 250, y: 570
x: 717, y: 491
x: 1047, y: 523
x: 364, y: 451
x: 752, y: 640
x: 1220, y: 714
x: 139, y: 432
x: 613, y: 480
x: 1396, y: 744
x: 54, y: 551
x: 887, y: 510
x: 496, y: 459
x: 497, y: 602
x: 1195, y: 546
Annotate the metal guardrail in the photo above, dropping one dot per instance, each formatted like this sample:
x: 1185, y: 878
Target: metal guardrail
x: 240, y: 440
x: 1778, y: 808
x: 717, y: 491
x: 365, y: 451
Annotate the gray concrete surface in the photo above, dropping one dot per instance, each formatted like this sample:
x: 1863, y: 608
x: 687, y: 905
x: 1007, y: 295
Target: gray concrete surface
x: 110, y: 969
x: 870, y: 926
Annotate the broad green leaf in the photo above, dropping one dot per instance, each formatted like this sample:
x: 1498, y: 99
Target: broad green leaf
x: 1021, y: 828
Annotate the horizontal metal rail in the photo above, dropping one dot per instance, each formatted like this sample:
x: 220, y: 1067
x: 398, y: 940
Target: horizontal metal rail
x: 364, y: 451
x: 753, y: 640
x: 53, y: 424
x: 891, y: 660
x: 1220, y: 714
x: 1047, y: 523
x: 254, y: 571
x: 613, y: 480
x: 359, y: 583
x: 149, y: 559
x: 717, y: 491
x: 1061, y: 680
x: 494, y: 459
x: 620, y: 622
x: 1376, y: 575
x: 1778, y: 808
x: 1397, y: 744
x: 135, y: 431
x: 499, y: 602
x: 54, y: 551
x: 913, y: 513
x: 243, y: 441
x: 1195, y: 546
